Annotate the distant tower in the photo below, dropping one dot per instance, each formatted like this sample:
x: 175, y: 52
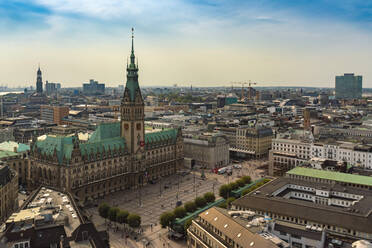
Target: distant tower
x: 307, y: 124
x: 132, y: 109
x: 39, y: 82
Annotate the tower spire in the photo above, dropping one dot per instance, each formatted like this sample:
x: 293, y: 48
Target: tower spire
x: 132, y: 57
x: 132, y: 40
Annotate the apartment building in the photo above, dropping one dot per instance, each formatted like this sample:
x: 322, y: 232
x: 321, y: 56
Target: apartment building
x: 287, y: 154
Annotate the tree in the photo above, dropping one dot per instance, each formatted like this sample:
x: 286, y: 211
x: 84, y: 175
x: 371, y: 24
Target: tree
x: 166, y: 219
x: 223, y: 205
x: 179, y: 212
x: 229, y: 201
x: 190, y: 207
x: 246, y: 191
x: 122, y: 216
x: 225, y: 190
x: 209, y: 197
x: 240, y: 182
x: 134, y: 220
x: 187, y: 225
x: 112, y: 213
x: 103, y: 210
x: 246, y: 179
x: 200, y: 202
x: 234, y: 186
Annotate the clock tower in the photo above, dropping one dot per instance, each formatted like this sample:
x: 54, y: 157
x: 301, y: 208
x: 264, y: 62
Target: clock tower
x: 132, y: 109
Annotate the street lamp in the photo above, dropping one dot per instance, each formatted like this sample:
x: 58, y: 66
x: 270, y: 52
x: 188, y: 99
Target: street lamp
x: 160, y: 186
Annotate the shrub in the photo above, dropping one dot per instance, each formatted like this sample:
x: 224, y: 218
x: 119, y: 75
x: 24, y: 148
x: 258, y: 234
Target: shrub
x: 209, y: 197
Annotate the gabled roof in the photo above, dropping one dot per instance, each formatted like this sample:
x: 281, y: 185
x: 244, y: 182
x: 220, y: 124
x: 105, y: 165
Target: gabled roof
x: 105, y: 131
x: 106, y: 137
x: 62, y: 144
x: 161, y: 136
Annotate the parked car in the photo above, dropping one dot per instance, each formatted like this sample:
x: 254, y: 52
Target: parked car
x: 222, y: 170
x: 237, y: 166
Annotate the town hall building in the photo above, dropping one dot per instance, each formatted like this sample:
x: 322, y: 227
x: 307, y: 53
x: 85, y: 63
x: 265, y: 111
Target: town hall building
x: 117, y: 156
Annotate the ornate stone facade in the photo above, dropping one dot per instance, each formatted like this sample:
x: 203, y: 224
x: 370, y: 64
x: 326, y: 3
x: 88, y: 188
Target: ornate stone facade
x: 117, y: 156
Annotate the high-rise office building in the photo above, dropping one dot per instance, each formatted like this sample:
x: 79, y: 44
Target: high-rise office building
x: 39, y: 82
x: 93, y: 88
x: 53, y: 114
x: 348, y: 86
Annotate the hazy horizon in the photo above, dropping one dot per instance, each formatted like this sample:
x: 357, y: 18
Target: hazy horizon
x: 203, y: 43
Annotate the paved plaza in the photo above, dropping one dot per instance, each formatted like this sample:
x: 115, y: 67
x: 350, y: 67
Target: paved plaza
x: 153, y: 199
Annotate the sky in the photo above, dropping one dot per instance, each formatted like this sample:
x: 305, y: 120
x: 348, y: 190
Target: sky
x: 186, y: 42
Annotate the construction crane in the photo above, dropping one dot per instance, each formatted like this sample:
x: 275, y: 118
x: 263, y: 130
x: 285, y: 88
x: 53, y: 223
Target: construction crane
x: 242, y: 83
x: 250, y: 89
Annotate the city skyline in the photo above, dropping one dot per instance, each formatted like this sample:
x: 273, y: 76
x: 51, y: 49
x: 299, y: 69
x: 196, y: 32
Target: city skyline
x: 202, y: 43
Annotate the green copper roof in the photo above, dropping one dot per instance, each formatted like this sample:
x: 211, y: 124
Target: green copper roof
x: 62, y: 144
x: 9, y: 146
x: 106, y: 137
x: 106, y: 131
x: 4, y: 154
x: 331, y: 175
x: 164, y: 135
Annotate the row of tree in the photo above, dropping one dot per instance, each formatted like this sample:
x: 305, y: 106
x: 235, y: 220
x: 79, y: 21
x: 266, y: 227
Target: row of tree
x: 115, y: 214
x: 257, y: 185
x: 225, y: 190
x: 167, y: 218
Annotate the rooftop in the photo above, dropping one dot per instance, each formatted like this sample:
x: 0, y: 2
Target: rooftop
x: 11, y: 145
x: 357, y: 217
x: 234, y: 230
x: 331, y: 175
x: 48, y: 207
